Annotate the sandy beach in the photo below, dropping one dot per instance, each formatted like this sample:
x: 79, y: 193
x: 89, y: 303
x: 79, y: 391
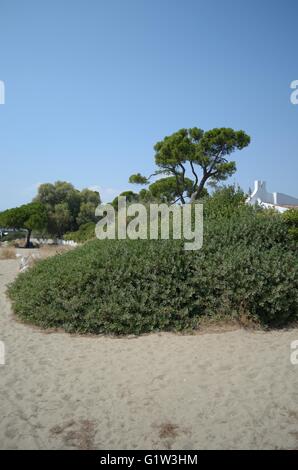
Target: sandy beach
x: 234, y: 390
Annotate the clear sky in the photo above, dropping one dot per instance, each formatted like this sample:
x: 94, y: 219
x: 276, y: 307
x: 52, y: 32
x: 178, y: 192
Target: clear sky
x: 91, y: 85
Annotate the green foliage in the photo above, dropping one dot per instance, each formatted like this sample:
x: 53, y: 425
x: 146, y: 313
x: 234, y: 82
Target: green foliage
x: 138, y: 179
x: 31, y: 216
x: 291, y: 219
x: 85, y: 233
x: 248, y: 264
x: 67, y: 207
x: 145, y: 196
x: 224, y: 202
x: 87, y: 213
x: 165, y: 189
x: 206, y: 152
x: 130, y: 197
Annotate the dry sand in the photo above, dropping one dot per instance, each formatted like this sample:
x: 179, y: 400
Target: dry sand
x: 211, y: 391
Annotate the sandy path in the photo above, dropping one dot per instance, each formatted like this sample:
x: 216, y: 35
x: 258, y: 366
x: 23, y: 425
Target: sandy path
x: 229, y: 390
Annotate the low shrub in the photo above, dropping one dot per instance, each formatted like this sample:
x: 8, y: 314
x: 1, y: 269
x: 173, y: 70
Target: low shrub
x: 85, y: 233
x: 291, y: 220
x: 248, y: 266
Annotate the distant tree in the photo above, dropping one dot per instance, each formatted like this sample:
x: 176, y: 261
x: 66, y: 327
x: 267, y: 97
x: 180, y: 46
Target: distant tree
x: 89, y: 201
x: 163, y: 190
x: 130, y: 197
x: 90, y: 196
x: 31, y: 217
x: 138, y: 179
x: 205, y: 153
x: 59, y: 219
x: 145, y: 195
x: 166, y: 189
x: 67, y: 207
x: 86, y: 214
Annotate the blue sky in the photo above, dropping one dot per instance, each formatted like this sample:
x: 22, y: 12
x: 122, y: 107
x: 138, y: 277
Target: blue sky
x: 92, y: 85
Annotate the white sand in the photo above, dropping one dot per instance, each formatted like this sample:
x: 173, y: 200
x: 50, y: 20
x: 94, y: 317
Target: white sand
x: 229, y: 390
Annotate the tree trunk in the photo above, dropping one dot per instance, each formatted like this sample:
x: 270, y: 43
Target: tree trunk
x: 197, y: 193
x: 28, y: 238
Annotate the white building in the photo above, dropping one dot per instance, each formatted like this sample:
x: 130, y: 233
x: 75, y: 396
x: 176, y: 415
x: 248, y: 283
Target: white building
x: 278, y: 201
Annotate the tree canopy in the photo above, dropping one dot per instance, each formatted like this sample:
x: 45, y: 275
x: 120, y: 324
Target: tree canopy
x: 166, y: 189
x: 130, y: 198
x: 203, y: 154
x: 163, y: 190
x: 67, y: 207
x: 31, y: 216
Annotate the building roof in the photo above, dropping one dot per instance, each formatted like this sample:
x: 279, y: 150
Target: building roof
x: 279, y: 201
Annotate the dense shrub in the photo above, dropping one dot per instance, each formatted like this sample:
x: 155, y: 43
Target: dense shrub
x: 224, y: 202
x: 248, y: 264
x: 85, y: 233
x: 291, y: 219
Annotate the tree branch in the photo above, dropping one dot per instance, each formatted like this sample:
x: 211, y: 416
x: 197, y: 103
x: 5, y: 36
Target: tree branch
x: 195, y: 175
x: 216, y: 159
x: 177, y: 182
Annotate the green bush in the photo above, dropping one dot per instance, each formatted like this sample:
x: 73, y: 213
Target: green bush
x: 248, y: 264
x: 291, y: 219
x: 85, y: 233
x: 224, y: 202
